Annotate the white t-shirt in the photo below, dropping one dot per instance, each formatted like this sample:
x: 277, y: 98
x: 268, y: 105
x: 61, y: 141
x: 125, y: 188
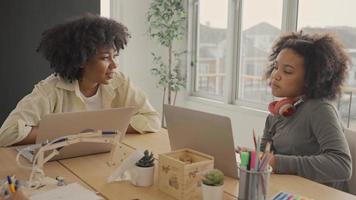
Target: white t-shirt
x: 94, y: 102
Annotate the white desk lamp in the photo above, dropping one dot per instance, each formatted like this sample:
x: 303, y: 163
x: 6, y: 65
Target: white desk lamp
x: 118, y: 150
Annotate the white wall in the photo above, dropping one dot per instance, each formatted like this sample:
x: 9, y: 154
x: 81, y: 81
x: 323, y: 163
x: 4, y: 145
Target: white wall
x: 136, y: 61
x: 105, y: 8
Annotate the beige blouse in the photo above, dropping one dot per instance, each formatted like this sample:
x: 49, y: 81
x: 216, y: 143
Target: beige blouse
x: 55, y: 95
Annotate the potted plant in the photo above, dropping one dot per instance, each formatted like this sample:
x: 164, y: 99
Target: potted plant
x: 167, y: 22
x: 143, y: 172
x: 212, y: 185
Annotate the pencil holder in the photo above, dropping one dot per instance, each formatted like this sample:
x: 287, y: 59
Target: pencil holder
x: 253, y: 185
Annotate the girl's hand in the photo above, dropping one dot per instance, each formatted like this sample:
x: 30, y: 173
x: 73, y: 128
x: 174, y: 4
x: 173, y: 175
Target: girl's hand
x: 273, y: 163
x: 239, y: 149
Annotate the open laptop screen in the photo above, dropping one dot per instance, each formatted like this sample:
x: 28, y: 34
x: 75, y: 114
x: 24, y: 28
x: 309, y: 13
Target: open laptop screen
x: 53, y: 126
x: 204, y: 132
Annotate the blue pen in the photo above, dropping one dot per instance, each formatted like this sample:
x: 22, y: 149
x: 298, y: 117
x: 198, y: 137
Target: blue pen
x: 281, y: 196
x: 278, y: 195
x: 9, y: 180
x: 108, y: 132
x: 11, y: 184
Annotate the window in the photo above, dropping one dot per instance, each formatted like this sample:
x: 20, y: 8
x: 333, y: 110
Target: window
x: 261, y: 25
x: 211, y: 48
x: 213, y: 21
x: 231, y: 41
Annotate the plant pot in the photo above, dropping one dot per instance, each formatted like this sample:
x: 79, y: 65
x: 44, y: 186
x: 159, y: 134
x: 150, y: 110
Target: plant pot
x: 212, y: 192
x: 142, y: 176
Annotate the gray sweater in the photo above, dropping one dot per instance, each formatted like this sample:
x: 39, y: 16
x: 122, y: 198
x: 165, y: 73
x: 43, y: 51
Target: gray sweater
x: 311, y: 144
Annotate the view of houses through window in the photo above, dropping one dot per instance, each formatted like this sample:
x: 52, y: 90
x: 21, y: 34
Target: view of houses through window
x: 343, y: 26
x: 260, y: 26
x: 211, y: 47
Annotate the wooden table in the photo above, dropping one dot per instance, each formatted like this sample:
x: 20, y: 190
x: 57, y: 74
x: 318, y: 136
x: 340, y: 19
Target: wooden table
x: 8, y: 166
x: 159, y: 143
x: 92, y: 171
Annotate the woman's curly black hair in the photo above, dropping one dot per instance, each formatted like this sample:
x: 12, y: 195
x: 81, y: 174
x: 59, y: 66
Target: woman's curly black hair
x: 325, y: 61
x: 68, y: 46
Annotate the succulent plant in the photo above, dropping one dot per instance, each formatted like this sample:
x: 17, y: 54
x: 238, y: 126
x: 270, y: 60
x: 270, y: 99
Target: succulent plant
x: 213, y: 177
x: 147, y: 160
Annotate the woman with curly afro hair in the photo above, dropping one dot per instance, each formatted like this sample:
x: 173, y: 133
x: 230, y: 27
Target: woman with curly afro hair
x: 82, y: 53
x: 304, y: 128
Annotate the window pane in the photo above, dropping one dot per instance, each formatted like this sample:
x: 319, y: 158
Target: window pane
x: 342, y: 23
x: 210, y: 71
x: 261, y: 25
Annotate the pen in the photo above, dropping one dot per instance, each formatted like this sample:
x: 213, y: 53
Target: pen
x: 108, y: 132
x: 17, y: 184
x: 281, y: 196
x: 252, y: 160
x: 252, y: 181
x: 9, y: 180
x: 257, y: 157
x: 254, y: 138
x: 278, y: 195
x: 11, y: 185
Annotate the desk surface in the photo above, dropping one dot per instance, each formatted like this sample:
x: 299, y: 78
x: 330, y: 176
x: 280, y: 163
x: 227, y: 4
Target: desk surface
x: 159, y: 143
x: 92, y: 171
x: 8, y: 166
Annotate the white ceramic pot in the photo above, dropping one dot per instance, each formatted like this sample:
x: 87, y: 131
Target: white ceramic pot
x: 142, y: 176
x: 212, y: 192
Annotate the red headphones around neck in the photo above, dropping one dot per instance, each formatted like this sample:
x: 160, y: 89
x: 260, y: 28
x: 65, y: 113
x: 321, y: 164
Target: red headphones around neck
x: 285, y: 107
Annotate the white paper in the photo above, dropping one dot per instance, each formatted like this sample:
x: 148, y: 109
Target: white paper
x: 119, y: 174
x: 72, y: 191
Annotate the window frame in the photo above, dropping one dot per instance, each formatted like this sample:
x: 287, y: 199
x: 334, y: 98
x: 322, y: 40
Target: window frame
x: 232, y: 84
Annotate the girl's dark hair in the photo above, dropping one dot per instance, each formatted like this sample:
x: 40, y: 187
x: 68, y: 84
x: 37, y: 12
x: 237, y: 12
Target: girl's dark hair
x: 68, y: 46
x: 325, y: 62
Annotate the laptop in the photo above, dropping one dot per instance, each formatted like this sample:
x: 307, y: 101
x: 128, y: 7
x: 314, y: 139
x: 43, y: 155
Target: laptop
x: 204, y: 132
x: 56, y: 125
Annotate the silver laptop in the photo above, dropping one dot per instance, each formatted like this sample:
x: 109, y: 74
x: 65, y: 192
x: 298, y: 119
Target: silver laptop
x: 56, y: 125
x: 204, y: 132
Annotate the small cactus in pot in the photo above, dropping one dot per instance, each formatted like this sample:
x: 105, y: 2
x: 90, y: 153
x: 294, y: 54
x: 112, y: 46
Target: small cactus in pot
x: 213, y: 177
x: 213, y: 183
x: 147, y: 160
x: 142, y: 174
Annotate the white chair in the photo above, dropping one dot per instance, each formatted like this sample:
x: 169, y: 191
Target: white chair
x: 351, y: 139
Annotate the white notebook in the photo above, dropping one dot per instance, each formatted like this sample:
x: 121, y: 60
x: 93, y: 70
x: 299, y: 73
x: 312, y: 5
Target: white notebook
x: 73, y: 191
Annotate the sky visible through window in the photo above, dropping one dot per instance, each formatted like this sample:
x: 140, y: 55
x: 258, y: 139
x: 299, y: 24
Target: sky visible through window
x: 212, y: 10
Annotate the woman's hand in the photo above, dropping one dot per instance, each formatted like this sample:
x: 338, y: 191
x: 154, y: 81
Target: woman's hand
x: 273, y: 163
x: 18, y: 195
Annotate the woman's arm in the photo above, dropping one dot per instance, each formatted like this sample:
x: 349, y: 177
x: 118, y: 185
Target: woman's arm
x: 27, y: 114
x: 146, y: 118
x: 30, y: 138
x: 131, y: 130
